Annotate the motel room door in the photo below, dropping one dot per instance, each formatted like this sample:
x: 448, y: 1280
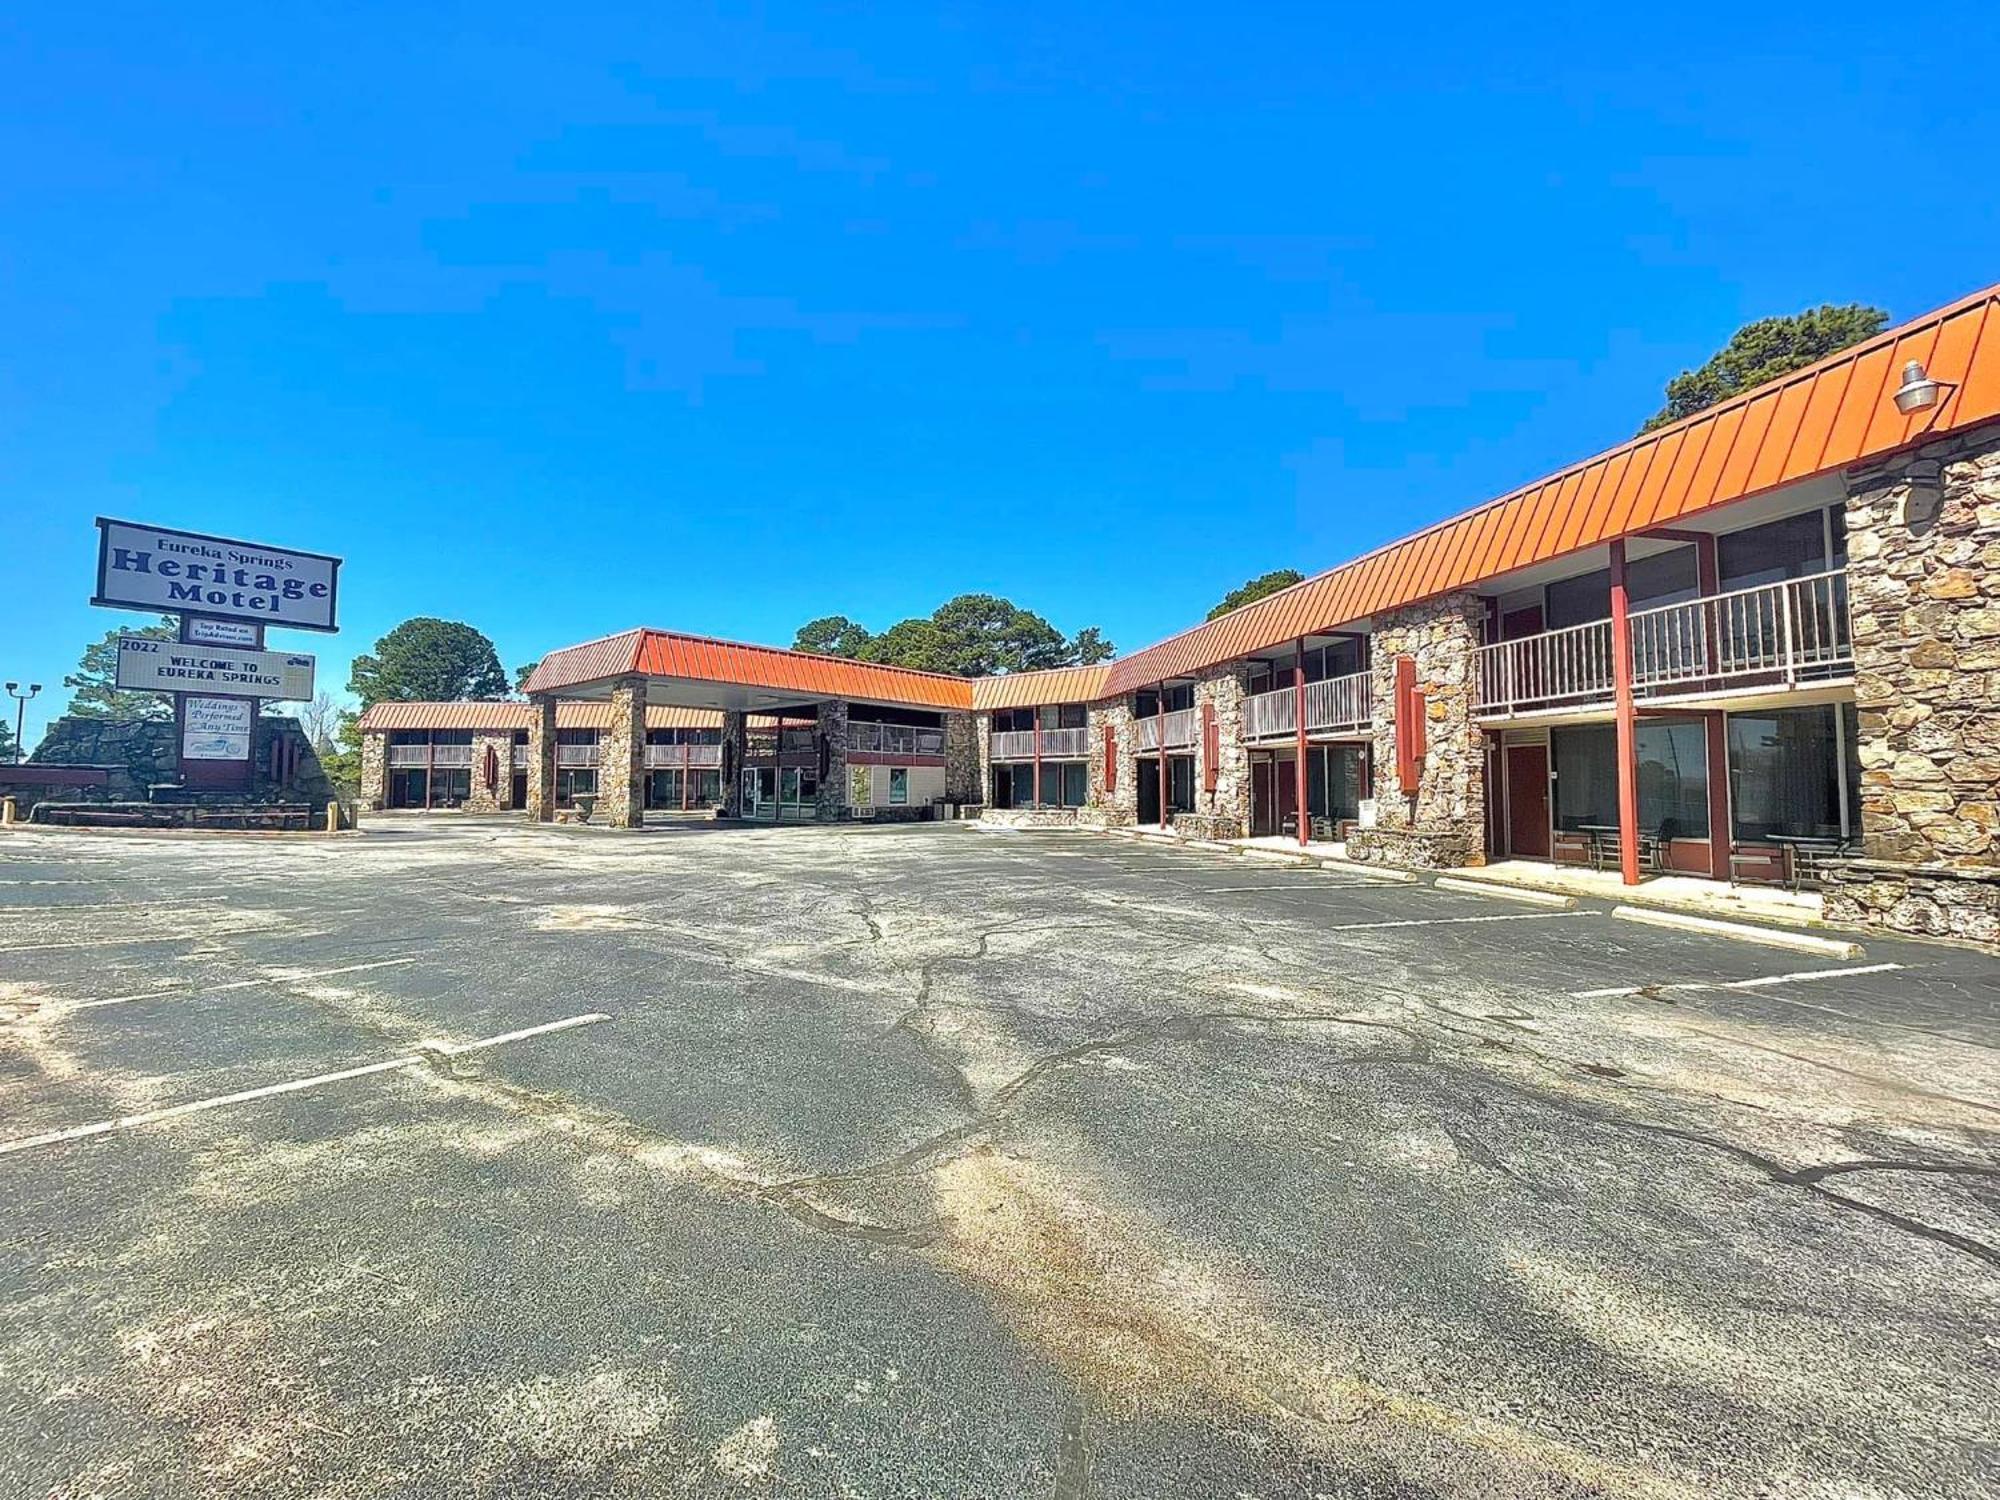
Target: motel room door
x: 1528, y: 801
x: 1149, y: 791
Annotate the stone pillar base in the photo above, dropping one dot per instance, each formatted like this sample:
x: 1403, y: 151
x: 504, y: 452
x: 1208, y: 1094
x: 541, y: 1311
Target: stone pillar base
x: 1946, y: 901
x: 1413, y: 848
x: 1218, y: 827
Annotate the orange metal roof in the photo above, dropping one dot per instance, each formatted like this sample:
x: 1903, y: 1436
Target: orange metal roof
x: 1029, y: 689
x: 666, y: 653
x: 504, y: 715
x: 1825, y: 417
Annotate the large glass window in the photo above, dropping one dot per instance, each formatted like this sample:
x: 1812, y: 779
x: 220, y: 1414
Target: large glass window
x: 1787, y: 769
x: 1790, y: 548
x: 1180, y: 781
x: 1071, y: 716
x: 1586, y: 775
x: 1673, y: 778
x: 1663, y: 578
x: 571, y: 784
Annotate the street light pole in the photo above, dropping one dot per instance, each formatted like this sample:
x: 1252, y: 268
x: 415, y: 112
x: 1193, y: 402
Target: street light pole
x: 21, y: 714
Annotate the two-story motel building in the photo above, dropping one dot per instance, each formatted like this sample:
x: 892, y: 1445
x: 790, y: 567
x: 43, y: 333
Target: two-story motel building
x: 1761, y: 644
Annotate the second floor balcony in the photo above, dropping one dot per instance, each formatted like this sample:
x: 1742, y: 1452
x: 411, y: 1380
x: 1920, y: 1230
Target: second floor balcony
x: 1772, y: 637
x: 1173, y: 730
x: 1056, y: 744
x: 1334, y: 705
x: 894, y: 739
x: 673, y: 757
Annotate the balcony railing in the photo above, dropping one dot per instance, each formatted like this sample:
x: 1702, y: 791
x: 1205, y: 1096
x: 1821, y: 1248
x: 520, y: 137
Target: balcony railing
x: 1774, y: 635
x: 576, y: 757
x: 1177, y: 726
x: 1057, y: 744
x: 894, y: 739
x: 1334, y: 705
x: 451, y: 757
x: 409, y: 755
x: 673, y: 757
x: 521, y: 757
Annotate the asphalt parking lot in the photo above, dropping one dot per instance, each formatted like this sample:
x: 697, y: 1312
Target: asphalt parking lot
x: 932, y: 1162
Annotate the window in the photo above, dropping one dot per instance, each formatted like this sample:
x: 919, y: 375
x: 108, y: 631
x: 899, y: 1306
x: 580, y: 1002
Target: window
x: 571, y: 784
x: 1586, y: 774
x: 1145, y: 703
x: 1180, y: 780
x: 1673, y: 778
x: 1010, y: 719
x: 899, y: 786
x: 1790, y: 548
x: 1071, y: 716
x: 1663, y: 578
x: 1788, y: 770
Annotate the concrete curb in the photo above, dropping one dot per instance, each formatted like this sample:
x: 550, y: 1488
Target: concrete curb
x: 1528, y: 894
x: 1770, y: 937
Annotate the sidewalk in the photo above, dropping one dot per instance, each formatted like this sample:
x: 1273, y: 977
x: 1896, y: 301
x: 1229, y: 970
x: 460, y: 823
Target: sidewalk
x: 1693, y: 893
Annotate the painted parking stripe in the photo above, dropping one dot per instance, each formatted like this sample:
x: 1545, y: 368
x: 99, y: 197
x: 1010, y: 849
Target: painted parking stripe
x: 1805, y: 976
x: 296, y: 1085
x: 288, y: 976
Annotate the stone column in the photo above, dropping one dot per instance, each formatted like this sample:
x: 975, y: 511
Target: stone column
x: 374, y: 769
x: 830, y: 738
x: 1923, y: 572
x: 1118, y: 806
x: 500, y: 795
x: 1444, y: 823
x: 733, y: 743
x: 621, y: 757
x: 542, y: 761
x: 965, y: 758
x: 1225, y: 812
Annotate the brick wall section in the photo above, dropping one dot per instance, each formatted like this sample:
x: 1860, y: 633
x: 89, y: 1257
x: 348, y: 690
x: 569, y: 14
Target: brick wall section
x: 1923, y: 545
x: 374, y: 770
x: 542, y: 762
x: 830, y: 738
x: 965, y: 778
x: 621, y: 758
x: 1444, y: 823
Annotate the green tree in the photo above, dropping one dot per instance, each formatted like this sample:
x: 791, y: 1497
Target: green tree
x: 1763, y: 351
x: 1257, y: 588
x: 428, y: 660
x: 832, y: 635
x: 523, y: 673
x: 7, y: 734
x: 341, y: 760
x: 95, y: 680
x: 974, y: 635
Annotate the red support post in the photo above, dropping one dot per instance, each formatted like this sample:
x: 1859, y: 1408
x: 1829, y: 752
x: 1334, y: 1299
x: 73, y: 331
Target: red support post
x: 686, y: 756
x: 1160, y: 716
x: 1628, y: 725
x: 1038, y: 755
x: 1303, y: 814
x: 1708, y: 579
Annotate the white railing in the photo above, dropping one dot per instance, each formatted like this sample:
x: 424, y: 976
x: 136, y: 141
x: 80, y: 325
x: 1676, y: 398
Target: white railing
x: 1012, y: 744
x: 1779, y: 632
x: 451, y: 757
x: 576, y: 757
x: 409, y: 755
x: 894, y: 739
x: 1553, y: 669
x: 1176, y: 724
x: 1333, y: 705
x: 520, y: 757
x: 673, y: 757
x: 1065, y: 744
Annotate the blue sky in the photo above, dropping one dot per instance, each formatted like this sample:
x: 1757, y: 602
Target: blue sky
x: 563, y: 319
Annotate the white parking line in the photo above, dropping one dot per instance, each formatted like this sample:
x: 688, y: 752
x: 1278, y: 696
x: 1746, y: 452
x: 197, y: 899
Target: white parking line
x: 289, y: 976
x: 1618, y: 992
x: 245, y: 1096
x: 1511, y: 916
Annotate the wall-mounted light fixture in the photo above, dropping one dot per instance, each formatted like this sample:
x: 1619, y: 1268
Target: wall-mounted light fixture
x: 1919, y: 392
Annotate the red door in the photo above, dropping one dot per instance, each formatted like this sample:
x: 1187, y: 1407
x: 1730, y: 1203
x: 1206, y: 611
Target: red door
x: 1287, y: 774
x: 1528, y: 801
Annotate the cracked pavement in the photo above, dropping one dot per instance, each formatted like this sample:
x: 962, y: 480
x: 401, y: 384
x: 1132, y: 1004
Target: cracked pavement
x: 937, y: 1162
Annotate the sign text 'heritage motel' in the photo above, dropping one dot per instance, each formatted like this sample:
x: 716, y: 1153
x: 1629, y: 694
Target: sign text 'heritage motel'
x: 155, y: 666
x: 184, y: 572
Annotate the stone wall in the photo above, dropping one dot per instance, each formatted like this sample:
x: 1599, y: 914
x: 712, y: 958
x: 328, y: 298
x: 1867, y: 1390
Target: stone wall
x: 1443, y: 823
x: 1122, y: 802
x: 374, y: 790
x: 621, y: 758
x: 1923, y: 570
x: 1030, y: 817
x: 965, y: 778
x: 143, y: 753
x: 1226, y: 810
x: 500, y: 796
x: 830, y: 738
x: 542, y: 761
x: 733, y: 741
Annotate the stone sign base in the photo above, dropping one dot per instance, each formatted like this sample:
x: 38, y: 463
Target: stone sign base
x: 1927, y: 900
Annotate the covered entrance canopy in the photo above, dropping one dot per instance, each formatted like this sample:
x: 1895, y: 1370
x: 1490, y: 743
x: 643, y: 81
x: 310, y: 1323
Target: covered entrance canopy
x: 792, y: 696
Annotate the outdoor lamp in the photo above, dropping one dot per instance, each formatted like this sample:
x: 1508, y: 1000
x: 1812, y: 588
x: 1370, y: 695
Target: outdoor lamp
x: 1918, y: 392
